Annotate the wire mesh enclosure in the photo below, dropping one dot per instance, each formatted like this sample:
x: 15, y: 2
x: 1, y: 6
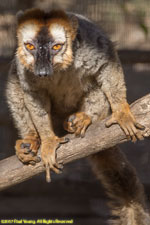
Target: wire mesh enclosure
x: 127, y: 22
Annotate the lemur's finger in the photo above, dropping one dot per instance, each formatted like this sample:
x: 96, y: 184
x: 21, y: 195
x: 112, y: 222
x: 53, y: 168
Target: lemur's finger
x: 55, y: 169
x: 78, y: 131
x: 63, y: 140
x: 59, y: 165
x: 25, y: 151
x: 71, y: 118
x: 125, y: 130
x: 110, y: 122
x: 38, y: 159
x: 139, y: 126
x: 32, y: 163
x: 132, y: 134
x: 83, y: 131
x: 137, y: 133
x: 48, y: 177
x: 25, y: 145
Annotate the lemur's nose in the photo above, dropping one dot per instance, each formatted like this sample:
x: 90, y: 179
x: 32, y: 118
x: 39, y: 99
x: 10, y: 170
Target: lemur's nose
x: 43, y: 73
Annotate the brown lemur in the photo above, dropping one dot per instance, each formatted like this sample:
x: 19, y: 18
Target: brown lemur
x: 66, y: 73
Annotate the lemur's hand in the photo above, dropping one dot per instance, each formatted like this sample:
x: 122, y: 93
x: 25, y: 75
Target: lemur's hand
x: 48, y: 154
x: 77, y: 123
x: 127, y: 122
x: 27, y: 149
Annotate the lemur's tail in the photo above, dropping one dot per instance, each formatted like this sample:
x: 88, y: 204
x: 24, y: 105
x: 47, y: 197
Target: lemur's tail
x: 126, y: 194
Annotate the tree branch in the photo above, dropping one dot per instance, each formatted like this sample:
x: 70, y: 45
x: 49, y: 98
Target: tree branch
x: 97, y: 138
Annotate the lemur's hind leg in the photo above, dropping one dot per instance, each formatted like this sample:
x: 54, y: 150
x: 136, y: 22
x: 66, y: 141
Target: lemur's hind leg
x: 127, y: 200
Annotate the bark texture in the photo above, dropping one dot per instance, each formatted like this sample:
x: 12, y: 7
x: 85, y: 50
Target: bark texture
x: 97, y: 138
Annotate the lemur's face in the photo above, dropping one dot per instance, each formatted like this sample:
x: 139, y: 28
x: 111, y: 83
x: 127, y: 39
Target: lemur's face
x: 45, y: 45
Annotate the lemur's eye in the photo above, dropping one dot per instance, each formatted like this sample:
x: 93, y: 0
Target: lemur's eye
x: 29, y: 46
x: 57, y: 47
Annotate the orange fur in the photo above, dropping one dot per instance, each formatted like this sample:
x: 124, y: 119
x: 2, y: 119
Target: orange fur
x: 55, y: 16
x: 40, y: 18
x: 66, y: 24
x: 32, y: 14
x: 77, y: 123
x: 22, y: 57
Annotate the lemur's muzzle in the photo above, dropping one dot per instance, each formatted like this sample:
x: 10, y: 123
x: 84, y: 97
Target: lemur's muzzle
x: 43, y: 66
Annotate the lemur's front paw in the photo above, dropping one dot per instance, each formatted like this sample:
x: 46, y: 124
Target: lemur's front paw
x: 127, y: 122
x: 48, y: 154
x: 26, y: 150
x: 77, y: 123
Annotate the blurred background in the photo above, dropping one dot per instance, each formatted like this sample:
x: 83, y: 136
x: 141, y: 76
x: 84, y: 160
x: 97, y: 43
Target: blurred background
x: 76, y: 194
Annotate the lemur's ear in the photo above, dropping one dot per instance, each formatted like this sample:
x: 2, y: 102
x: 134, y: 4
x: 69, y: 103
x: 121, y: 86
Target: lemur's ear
x: 74, y: 23
x: 19, y: 14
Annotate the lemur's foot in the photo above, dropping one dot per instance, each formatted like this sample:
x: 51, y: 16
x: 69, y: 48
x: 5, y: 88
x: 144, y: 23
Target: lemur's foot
x: 124, y: 117
x: 48, y: 154
x: 26, y: 149
x: 77, y: 123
